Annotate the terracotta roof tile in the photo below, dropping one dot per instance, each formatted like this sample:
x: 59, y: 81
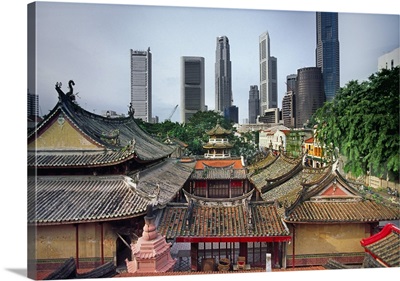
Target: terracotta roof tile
x: 385, y: 245
x: 221, y: 221
x: 342, y: 211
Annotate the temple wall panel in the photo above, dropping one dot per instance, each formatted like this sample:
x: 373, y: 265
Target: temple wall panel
x: 55, y: 244
x: 316, y: 243
x: 328, y: 238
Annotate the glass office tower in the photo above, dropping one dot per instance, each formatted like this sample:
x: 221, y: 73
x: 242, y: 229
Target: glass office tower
x: 327, y: 51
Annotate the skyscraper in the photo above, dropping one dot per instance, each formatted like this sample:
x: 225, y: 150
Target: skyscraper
x: 254, y: 104
x: 141, y: 84
x: 268, y: 75
x: 310, y: 94
x: 192, y: 86
x: 223, y: 75
x: 33, y: 104
x: 289, y: 102
x: 327, y: 51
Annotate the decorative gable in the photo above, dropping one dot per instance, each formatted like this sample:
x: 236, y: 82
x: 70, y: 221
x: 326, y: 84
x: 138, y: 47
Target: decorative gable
x: 335, y: 190
x: 61, y: 134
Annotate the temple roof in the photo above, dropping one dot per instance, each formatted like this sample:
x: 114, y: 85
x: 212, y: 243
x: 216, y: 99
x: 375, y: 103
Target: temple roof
x: 334, y: 212
x: 219, y: 223
x: 331, y: 199
x: 219, y: 169
x: 277, y: 168
x: 164, y: 179
x: 218, y: 130
x: 75, y: 199
x: 384, y: 246
x: 112, y: 140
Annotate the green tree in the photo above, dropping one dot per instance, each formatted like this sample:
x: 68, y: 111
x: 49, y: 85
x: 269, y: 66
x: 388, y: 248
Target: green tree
x: 363, y: 122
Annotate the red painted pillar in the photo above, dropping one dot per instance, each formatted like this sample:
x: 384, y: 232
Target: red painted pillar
x: 102, y: 243
x: 243, y: 250
x: 293, y: 247
x: 194, y: 250
x: 77, y: 244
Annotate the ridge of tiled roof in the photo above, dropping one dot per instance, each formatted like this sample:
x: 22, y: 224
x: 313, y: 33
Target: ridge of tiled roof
x: 261, y: 164
x: 280, y: 169
x: 288, y: 190
x: 164, y: 179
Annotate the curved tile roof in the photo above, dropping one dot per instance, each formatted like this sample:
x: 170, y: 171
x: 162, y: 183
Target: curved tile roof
x: 218, y: 130
x: 121, y: 138
x: 208, y: 221
x: 385, y: 245
x: 219, y: 169
x: 164, y: 180
x: 343, y: 211
x: 75, y: 199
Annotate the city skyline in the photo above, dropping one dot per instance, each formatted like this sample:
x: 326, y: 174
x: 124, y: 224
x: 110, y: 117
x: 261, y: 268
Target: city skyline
x: 62, y: 41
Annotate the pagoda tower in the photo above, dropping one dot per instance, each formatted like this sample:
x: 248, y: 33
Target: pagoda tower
x: 218, y: 145
x: 151, y: 253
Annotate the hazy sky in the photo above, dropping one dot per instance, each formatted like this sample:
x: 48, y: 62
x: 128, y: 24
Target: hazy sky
x: 90, y: 44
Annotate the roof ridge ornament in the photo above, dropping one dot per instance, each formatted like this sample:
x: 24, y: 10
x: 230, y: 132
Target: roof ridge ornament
x: 70, y: 94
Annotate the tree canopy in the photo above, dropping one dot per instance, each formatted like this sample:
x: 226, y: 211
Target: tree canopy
x: 363, y: 122
x: 193, y: 133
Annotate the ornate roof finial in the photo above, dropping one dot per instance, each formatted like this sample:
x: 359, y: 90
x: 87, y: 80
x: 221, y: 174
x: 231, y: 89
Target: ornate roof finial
x: 131, y: 110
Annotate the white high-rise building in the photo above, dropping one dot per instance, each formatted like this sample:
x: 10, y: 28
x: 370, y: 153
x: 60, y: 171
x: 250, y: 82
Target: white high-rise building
x: 389, y: 60
x: 268, y: 75
x: 141, y: 84
x: 192, y: 87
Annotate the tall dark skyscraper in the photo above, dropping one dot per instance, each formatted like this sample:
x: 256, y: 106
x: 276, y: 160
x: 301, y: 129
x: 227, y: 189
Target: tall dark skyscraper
x: 309, y: 94
x: 254, y: 104
x: 223, y: 75
x: 192, y: 87
x: 327, y: 51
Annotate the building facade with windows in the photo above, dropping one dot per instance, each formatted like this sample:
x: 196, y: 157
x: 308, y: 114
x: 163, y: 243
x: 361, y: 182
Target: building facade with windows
x: 223, y: 75
x: 327, y: 51
x: 192, y: 87
x: 268, y: 75
x: 254, y: 104
x: 310, y: 94
x: 389, y: 60
x: 141, y: 92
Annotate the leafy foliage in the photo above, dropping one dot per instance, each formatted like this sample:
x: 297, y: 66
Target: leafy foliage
x: 193, y: 133
x: 363, y: 122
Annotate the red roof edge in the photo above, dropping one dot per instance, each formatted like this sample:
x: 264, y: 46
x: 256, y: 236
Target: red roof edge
x: 386, y: 230
x: 197, y: 239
